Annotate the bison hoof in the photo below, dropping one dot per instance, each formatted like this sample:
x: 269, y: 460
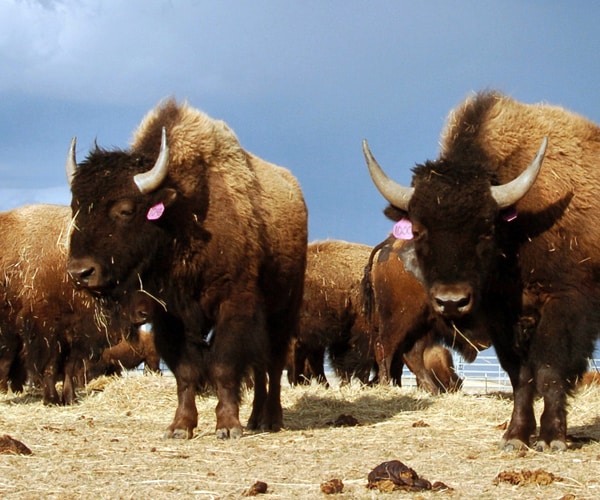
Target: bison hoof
x: 555, y: 445
x: 235, y: 433
x: 512, y: 445
x: 53, y: 402
x: 179, y: 434
x: 264, y: 426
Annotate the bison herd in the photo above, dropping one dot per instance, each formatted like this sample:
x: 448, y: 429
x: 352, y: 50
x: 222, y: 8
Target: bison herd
x: 187, y: 248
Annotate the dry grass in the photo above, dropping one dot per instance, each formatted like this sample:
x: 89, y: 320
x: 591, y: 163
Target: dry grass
x: 110, y: 446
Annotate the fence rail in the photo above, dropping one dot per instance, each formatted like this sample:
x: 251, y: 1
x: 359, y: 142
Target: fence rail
x: 483, y: 375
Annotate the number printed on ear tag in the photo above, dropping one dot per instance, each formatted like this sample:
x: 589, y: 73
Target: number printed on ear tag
x: 403, y: 230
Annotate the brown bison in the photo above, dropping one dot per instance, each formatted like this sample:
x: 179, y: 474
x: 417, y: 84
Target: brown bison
x: 129, y: 353
x: 505, y: 246
x: 13, y: 373
x: 331, y: 316
x: 334, y: 318
x: 49, y: 331
x: 440, y: 366
x: 402, y: 305
x: 216, y: 236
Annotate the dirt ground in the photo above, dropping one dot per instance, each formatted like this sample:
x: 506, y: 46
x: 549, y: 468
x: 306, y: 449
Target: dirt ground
x: 110, y: 445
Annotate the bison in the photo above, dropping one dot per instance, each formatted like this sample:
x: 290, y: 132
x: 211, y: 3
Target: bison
x: 13, y: 373
x: 341, y: 314
x: 331, y: 317
x: 401, y: 304
x: 508, y: 247
x: 49, y: 331
x: 216, y: 236
x: 129, y: 353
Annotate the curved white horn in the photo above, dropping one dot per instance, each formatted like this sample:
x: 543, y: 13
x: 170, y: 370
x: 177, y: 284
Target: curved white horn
x: 150, y: 180
x: 508, y: 194
x: 71, y: 166
x: 397, y: 194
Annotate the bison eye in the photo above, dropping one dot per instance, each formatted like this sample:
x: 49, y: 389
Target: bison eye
x: 122, y: 210
x: 418, y: 231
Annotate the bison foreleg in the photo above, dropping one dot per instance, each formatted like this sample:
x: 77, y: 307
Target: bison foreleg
x: 522, y: 422
x: 553, y: 422
x: 256, y: 420
x: 274, y: 411
x: 186, y: 416
x: 384, y: 363
x: 71, y: 369
x: 51, y: 396
x: 267, y: 414
x: 228, y: 407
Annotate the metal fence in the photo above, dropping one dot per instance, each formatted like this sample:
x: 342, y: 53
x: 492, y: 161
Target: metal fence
x: 484, y: 375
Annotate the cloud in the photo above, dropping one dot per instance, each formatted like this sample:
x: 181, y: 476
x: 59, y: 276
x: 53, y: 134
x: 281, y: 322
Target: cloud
x: 117, y: 52
x: 131, y: 52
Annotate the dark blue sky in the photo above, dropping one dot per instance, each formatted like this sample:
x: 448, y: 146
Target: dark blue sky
x: 301, y: 83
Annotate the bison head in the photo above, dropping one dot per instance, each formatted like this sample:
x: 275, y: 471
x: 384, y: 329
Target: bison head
x: 119, y: 204
x: 456, y: 216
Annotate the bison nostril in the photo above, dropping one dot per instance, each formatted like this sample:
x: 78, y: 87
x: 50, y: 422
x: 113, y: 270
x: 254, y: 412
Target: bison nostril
x: 84, y: 272
x: 452, y: 300
x: 81, y: 275
x: 464, y: 302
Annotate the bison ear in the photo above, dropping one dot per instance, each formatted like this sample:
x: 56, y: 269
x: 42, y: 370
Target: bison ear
x: 167, y: 196
x: 394, y: 213
x: 162, y: 199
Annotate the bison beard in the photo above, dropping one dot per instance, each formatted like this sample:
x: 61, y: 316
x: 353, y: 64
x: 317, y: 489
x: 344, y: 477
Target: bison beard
x: 531, y: 282
x: 216, y: 239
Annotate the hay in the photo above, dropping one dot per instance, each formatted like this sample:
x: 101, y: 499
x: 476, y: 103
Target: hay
x: 110, y: 445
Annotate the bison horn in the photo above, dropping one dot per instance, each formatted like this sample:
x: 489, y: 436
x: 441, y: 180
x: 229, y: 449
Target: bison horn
x: 150, y: 180
x: 71, y: 161
x: 508, y: 194
x: 397, y: 194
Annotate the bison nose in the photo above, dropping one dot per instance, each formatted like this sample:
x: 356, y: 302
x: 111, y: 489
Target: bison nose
x: 452, y: 301
x: 83, y: 272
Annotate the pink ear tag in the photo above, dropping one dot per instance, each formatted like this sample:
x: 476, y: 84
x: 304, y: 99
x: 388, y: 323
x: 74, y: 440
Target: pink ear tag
x: 156, y: 211
x: 403, y: 230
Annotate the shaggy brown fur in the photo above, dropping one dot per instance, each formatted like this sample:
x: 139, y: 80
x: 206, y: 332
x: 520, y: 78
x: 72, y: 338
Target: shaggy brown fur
x: 508, y: 134
x: 406, y: 319
x: 128, y: 354
x: 333, y: 317
x: 532, y: 283
x: 53, y: 330
x: 227, y: 257
x: 590, y: 378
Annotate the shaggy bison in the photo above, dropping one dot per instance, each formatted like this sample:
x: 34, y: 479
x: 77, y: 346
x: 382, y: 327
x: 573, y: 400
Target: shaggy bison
x: 506, y: 246
x: 331, y: 316
x: 216, y: 236
x: 401, y: 304
x: 128, y: 354
x: 48, y: 330
x: 338, y: 285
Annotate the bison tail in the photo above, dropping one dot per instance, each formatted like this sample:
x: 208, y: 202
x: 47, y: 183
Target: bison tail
x: 367, y: 282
